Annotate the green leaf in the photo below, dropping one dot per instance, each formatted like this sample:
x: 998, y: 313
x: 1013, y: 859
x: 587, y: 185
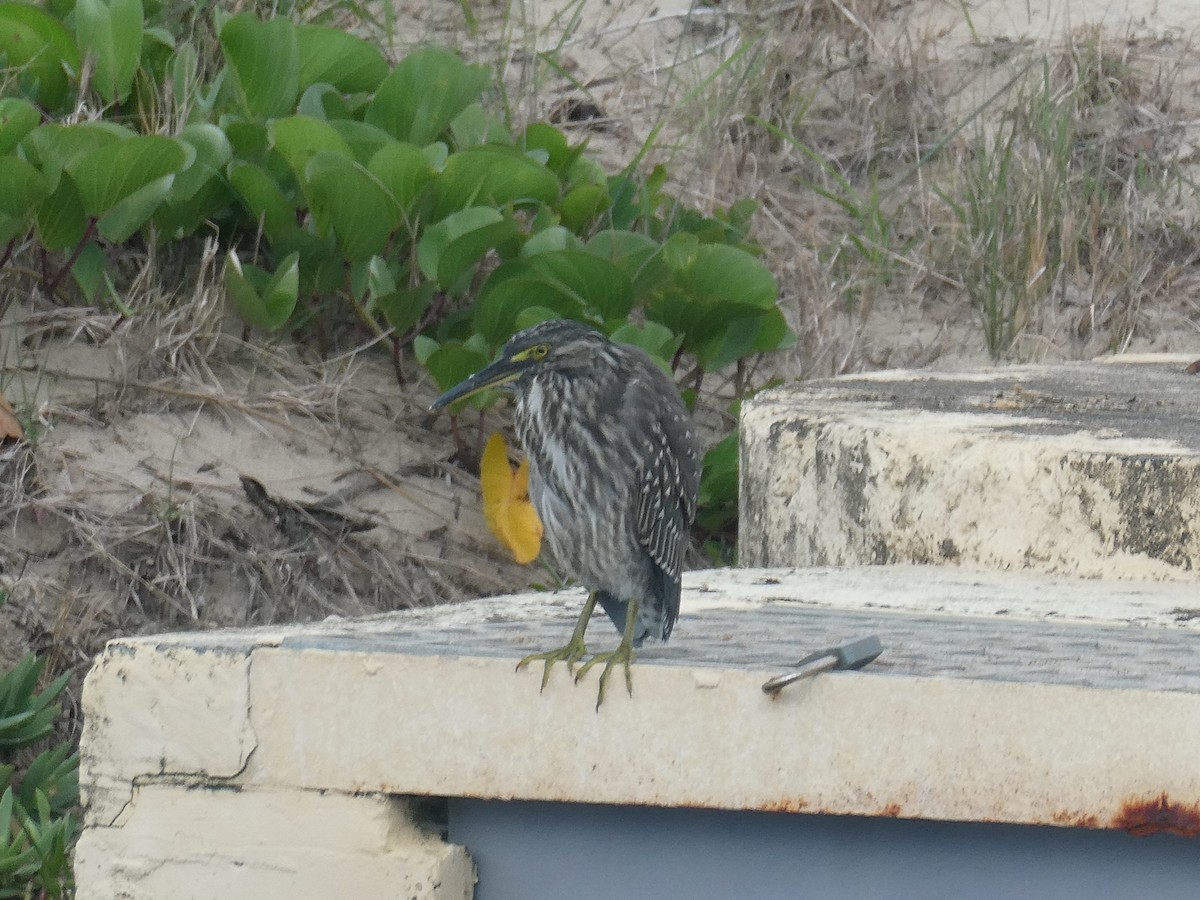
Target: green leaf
x: 503, y: 301
x: 758, y: 333
x: 436, y: 153
x: 264, y: 300
x: 265, y: 57
x: 134, y: 211
x: 322, y: 101
x: 299, y: 138
x: 176, y: 217
x: 53, y: 148
x: 718, y: 495
x: 773, y: 333
x: 451, y: 362
x: 404, y: 308
x: 17, y: 685
x: 322, y: 268
x: 212, y: 151
x: 17, y: 118
x: 639, y: 257
x: 492, y: 176
x: 450, y: 248
x: 262, y: 196
x: 586, y: 170
x: 88, y: 271
x: 583, y: 205
x: 363, y: 140
x: 338, y: 58
x: 11, y: 227
x: 113, y: 173
x: 554, y: 238
x: 37, y: 43
x: 573, y: 283
x: 423, y: 94
x: 476, y: 125
x: 559, y: 154
x: 248, y: 139
x: 711, y: 288
x: 111, y: 31
x: 721, y: 273
x: 22, y: 187
x: 14, y: 724
x: 376, y: 278
x: 346, y: 198
x: 424, y: 347
x: 60, y: 218
x: 532, y: 315
x: 54, y: 773
x: 404, y: 169
x: 625, y: 248
x: 201, y: 190
x: 657, y: 340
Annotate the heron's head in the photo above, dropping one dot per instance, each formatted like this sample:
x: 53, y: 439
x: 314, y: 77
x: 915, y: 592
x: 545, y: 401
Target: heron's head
x: 560, y: 345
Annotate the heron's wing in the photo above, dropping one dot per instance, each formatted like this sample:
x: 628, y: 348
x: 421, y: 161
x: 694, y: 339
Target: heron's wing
x: 668, y: 478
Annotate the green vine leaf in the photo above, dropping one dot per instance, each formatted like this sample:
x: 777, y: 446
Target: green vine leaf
x: 265, y: 58
x: 111, y: 31
x: 424, y: 93
x: 263, y: 299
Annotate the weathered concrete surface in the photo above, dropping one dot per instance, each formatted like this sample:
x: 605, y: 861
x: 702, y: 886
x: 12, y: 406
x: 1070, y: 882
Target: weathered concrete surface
x: 194, y: 726
x: 999, y: 697
x: 1090, y: 469
x: 186, y: 840
x: 166, y: 739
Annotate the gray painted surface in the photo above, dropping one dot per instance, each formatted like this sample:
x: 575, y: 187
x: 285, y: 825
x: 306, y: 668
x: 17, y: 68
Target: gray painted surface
x: 780, y: 631
x: 530, y: 851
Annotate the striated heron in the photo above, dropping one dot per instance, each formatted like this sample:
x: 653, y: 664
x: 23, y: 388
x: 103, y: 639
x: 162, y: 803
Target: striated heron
x: 613, y: 475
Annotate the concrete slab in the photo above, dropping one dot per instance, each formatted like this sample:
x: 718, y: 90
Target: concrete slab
x: 1090, y: 469
x: 181, y: 842
x: 190, y: 717
x: 1014, y: 699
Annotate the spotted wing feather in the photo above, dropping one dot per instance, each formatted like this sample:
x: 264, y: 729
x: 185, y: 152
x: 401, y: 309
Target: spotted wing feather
x: 668, y: 480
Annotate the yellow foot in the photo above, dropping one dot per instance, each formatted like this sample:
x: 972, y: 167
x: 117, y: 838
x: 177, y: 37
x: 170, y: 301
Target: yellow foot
x: 623, y: 655
x: 570, y: 654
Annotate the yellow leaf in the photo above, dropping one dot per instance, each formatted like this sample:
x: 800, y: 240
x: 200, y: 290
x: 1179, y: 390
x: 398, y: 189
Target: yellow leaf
x: 506, y: 506
x: 525, y: 528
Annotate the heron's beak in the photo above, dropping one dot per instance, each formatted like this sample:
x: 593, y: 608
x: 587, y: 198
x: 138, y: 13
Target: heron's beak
x: 502, y: 371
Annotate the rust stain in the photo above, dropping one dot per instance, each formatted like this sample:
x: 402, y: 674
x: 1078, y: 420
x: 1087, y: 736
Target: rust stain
x: 1142, y: 817
x: 799, y: 804
x: 1074, y: 818
x: 786, y: 804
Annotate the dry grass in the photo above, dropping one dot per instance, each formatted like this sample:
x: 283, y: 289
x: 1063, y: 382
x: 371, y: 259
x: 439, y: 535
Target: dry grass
x: 123, y: 513
x: 877, y: 148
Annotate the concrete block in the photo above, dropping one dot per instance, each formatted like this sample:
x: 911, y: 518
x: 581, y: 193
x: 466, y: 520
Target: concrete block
x: 1088, y: 470
x: 988, y: 679
x: 162, y: 710
x: 850, y: 744
x: 999, y: 697
x: 188, y: 842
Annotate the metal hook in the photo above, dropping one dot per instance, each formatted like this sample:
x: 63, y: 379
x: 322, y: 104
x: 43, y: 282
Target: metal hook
x: 851, y: 655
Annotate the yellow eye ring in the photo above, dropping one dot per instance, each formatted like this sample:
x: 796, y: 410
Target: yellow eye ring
x: 540, y: 351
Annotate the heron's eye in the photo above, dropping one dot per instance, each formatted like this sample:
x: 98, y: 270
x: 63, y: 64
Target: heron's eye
x: 539, y: 351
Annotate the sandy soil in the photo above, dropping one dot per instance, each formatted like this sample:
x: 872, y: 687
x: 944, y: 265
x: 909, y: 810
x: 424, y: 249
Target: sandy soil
x: 125, y: 511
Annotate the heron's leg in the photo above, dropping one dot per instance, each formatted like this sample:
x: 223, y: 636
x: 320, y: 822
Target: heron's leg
x: 570, y: 654
x: 623, y: 655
